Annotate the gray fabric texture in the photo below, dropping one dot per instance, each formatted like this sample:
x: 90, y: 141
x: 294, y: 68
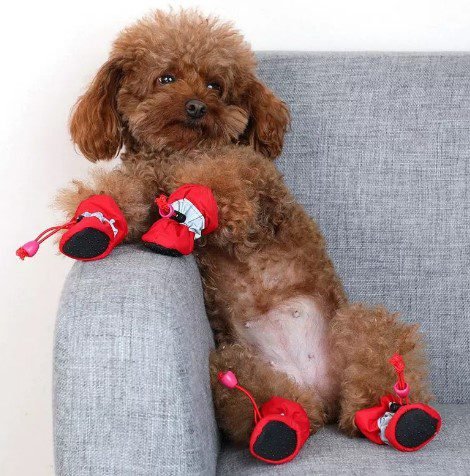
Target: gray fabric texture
x: 131, y: 381
x: 379, y: 155
x: 331, y: 452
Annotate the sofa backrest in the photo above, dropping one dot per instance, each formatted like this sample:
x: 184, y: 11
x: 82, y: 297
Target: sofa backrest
x: 379, y: 155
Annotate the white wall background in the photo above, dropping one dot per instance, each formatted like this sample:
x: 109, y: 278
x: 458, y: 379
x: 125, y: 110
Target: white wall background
x: 49, y: 51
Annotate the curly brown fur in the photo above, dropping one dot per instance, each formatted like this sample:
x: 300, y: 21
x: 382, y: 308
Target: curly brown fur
x: 277, y: 308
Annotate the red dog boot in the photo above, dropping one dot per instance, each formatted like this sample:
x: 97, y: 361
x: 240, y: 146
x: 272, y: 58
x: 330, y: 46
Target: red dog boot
x: 189, y: 212
x: 97, y: 226
x: 281, y: 426
x: 397, y: 422
x: 281, y: 432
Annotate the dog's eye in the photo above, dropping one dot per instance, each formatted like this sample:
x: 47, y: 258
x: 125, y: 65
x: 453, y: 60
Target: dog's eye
x: 215, y: 86
x: 166, y: 79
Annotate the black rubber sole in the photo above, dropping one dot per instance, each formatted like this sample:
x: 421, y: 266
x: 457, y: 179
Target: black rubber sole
x: 87, y: 243
x: 415, y: 427
x: 161, y: 250
x: 276, y: 441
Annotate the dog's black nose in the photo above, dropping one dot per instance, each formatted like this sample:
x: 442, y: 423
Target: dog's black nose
x: 195, y: 108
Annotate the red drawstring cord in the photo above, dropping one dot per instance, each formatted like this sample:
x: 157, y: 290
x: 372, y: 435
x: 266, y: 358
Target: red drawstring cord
x: 30, y: 248
x: 162, y: 204
x: 256, y: 412
x: 401, y: 387
x: 229, y: 380
x: 53, y: 230
x: 166, y: 210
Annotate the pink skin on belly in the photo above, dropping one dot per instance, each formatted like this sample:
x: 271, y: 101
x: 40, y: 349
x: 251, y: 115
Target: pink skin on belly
x: 292, y: 337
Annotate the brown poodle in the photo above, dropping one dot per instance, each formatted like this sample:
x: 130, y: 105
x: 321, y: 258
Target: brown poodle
x: 278, y: 310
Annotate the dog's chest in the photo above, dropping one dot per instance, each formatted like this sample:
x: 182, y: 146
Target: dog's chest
x: 292, y: 337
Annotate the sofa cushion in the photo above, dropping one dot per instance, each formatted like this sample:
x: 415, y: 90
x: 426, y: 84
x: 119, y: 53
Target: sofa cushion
x: 331, y: 452
x: 131, y: 378
x: 379, y: 154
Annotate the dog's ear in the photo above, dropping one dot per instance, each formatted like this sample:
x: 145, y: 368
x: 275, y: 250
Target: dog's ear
x: 269, y: 120
x: 95, y: 124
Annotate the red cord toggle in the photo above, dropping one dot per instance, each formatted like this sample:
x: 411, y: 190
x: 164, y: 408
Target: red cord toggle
x: 29, y: 249
x: 401, y: 388
x: 164, y: 208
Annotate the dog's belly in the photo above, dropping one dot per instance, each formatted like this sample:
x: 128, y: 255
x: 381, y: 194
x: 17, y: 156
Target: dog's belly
x: 292, y: 337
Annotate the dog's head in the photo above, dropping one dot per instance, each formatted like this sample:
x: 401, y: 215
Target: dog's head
x: 178, y: 81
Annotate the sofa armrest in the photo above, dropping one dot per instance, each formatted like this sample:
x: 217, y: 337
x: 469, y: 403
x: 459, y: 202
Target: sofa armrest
x: 131, y: 381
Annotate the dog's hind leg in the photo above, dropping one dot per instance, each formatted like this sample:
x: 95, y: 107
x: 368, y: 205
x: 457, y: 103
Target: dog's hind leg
x: 364, y: 340
x: 234, y: 411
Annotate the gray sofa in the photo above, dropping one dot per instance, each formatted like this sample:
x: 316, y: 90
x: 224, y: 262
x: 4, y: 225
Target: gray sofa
x: 379, y: 155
